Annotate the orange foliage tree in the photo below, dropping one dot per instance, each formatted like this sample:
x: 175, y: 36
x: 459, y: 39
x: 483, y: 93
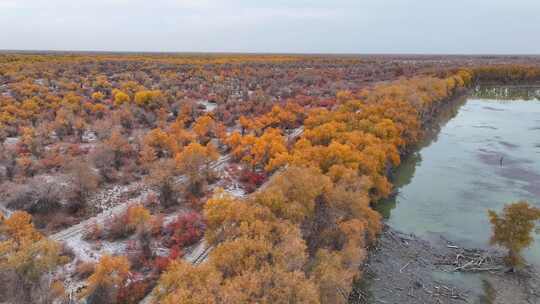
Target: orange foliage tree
x: 513, y: 229
x: 194, y: 161
x: 258, y: 152
x: 110, y: 275
x: 26, y: 257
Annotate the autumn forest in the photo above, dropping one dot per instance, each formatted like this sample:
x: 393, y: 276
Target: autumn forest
x: 211, y: 178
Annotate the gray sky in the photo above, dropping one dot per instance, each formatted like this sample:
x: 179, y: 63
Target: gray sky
x: 317, y: 26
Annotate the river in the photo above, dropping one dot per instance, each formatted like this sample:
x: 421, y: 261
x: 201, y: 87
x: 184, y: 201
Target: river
x: 483, y: 152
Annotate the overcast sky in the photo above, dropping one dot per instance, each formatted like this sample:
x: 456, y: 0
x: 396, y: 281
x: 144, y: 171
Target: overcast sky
x: 317, y: 26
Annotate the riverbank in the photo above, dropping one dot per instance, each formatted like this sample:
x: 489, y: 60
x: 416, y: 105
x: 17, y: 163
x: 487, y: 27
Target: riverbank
x: 402, y: 268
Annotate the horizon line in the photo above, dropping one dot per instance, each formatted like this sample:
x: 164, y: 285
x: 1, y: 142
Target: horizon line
x: 38, y: 51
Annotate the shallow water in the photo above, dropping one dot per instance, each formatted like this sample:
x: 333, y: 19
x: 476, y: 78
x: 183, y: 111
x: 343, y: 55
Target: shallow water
x: 483, y: 153
x: 486, y: 154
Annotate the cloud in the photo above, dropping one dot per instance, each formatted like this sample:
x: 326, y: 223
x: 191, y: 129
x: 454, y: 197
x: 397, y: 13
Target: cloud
x: 8, y: 4
x: 460, y: 26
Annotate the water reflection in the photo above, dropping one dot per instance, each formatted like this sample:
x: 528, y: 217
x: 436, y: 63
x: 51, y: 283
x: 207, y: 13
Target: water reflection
x: 461, y: 170
x: 482, y: 153
x: 490, y: 294
x: 405, y: 173
x: 507, y: 93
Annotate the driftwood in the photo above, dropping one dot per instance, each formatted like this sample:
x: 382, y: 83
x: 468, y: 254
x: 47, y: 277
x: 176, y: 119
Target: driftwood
x: 443, y: 291
x: 472, y: 260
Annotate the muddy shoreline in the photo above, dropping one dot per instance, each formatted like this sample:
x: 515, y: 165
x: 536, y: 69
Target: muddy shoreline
x: 402, y: 268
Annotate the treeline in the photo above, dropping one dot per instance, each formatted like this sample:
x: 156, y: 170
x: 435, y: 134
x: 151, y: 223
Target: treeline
x: 303, y: 237
x: 507, y: 74
x: 184, y: 59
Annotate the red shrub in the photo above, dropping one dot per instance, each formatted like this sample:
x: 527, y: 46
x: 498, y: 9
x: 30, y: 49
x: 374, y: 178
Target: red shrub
x: 252, y: 180
x: 175, y: 253
x: 21, y: 148
x: 75, y: 150
x: 52, y: 160
x: 161, y: 263
x: 156, y: 224
x: 327, y: 103
x: 133, y: 292
x: 186, y: 230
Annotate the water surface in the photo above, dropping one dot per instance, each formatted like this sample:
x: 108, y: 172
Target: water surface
x: 483, y: 153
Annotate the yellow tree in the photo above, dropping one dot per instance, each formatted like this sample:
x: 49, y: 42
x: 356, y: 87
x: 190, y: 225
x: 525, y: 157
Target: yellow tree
x: 512, y: 229
x: 270, y: 285
x: 163, y: 175
x: 28, y: 256
x: 194, y: 161
x: 185, y: 283
x: 257, y: 258
x: 119, y: 146
x: 147, y: 156
x: 111, y: 274
x: 293, y: 193
x: 120, y: 97
x: 148, y: 98
x: 97, y: 96
x: 245, y: 124
x: 205, y: 127
x: 179, y: 136
x: 332, y: 277
x: 161, y: 142
x: 258, y: 151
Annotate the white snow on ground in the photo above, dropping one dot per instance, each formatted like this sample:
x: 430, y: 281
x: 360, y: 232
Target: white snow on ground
x: 6, y: 212
x: 78, y: 230
x: 197, y: 253
x: 229, y: 183
x: 89, y: 136
x: 236, y: 191
x: 108, y: 199
x: 85, y: 251
x: 209, y: 106
x: 295, y: 133
x: 11, y: 141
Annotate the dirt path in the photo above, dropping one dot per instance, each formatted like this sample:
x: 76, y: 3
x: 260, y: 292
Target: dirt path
x: 5, y: 211
x: 105, y: 199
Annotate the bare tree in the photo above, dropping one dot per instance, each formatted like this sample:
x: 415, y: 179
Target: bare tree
x: 162, y: 176
x: 84, y: 180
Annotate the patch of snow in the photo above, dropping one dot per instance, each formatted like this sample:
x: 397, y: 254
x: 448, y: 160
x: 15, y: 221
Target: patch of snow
x: 198, y: 253
x: 11, y: 141
x: 75, y: 233
x: 112, y: 196
x: 89, y: 136
x: 4, y: 211
x: 209, y: 106
x: 236, y: 190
